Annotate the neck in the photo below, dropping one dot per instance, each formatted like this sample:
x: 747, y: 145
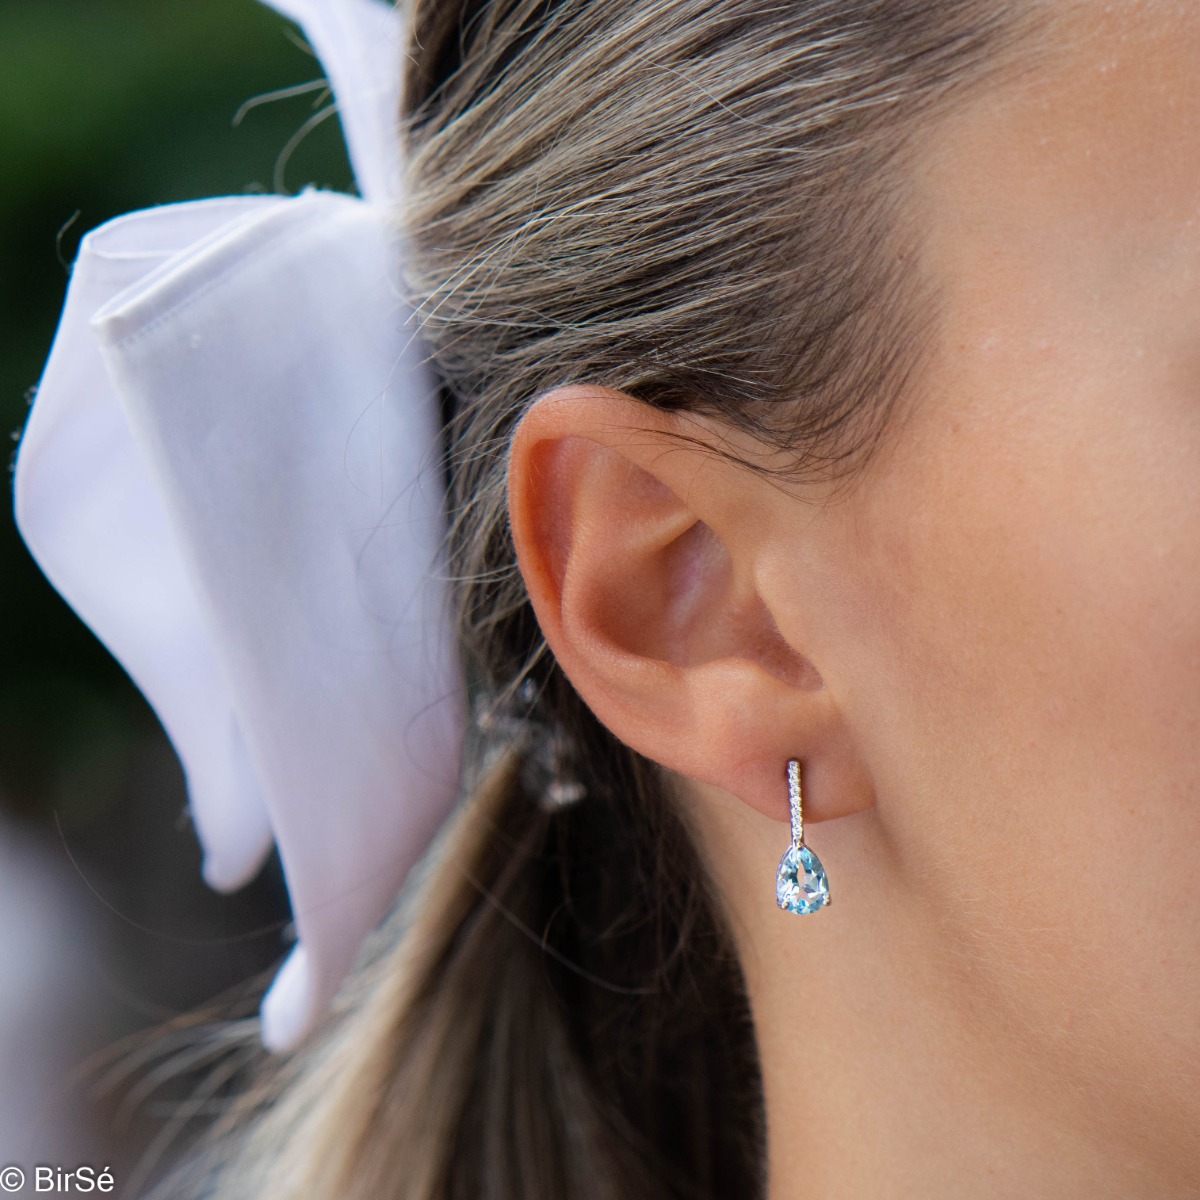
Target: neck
x: 887, y: 1069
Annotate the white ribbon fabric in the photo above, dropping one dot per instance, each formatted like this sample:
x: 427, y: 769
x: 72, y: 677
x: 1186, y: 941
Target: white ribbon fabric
x: 231, y: 472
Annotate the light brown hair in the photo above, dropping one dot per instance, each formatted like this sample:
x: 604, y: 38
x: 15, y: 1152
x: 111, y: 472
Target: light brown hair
x: 702, y: 203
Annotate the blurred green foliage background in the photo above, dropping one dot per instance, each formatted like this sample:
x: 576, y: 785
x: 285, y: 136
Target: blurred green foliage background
x: 108, y: 106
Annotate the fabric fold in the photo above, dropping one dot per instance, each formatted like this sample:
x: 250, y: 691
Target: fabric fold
x: 232, y: 473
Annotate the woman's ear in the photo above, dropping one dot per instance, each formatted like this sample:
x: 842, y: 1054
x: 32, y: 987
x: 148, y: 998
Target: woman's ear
x: 641, y: 553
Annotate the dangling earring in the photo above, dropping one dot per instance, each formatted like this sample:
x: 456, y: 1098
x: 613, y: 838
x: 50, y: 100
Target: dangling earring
x: 801, y: 885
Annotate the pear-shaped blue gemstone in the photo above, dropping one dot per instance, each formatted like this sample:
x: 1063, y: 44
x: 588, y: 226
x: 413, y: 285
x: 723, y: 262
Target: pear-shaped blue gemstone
x: 801, y: 886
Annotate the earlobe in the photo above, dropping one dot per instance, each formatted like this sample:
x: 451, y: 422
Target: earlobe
x: 640, y: 552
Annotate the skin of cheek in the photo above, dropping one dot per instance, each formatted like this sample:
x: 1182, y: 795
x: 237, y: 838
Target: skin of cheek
x: 1022, y: 633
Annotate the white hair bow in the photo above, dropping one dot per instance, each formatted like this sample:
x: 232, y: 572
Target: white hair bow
x: 232, y: 473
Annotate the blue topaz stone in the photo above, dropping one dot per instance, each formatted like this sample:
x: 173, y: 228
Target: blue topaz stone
x: 801, y: 886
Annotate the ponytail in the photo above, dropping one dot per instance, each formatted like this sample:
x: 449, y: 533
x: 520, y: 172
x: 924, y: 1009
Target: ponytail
x: 553, y: 1010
